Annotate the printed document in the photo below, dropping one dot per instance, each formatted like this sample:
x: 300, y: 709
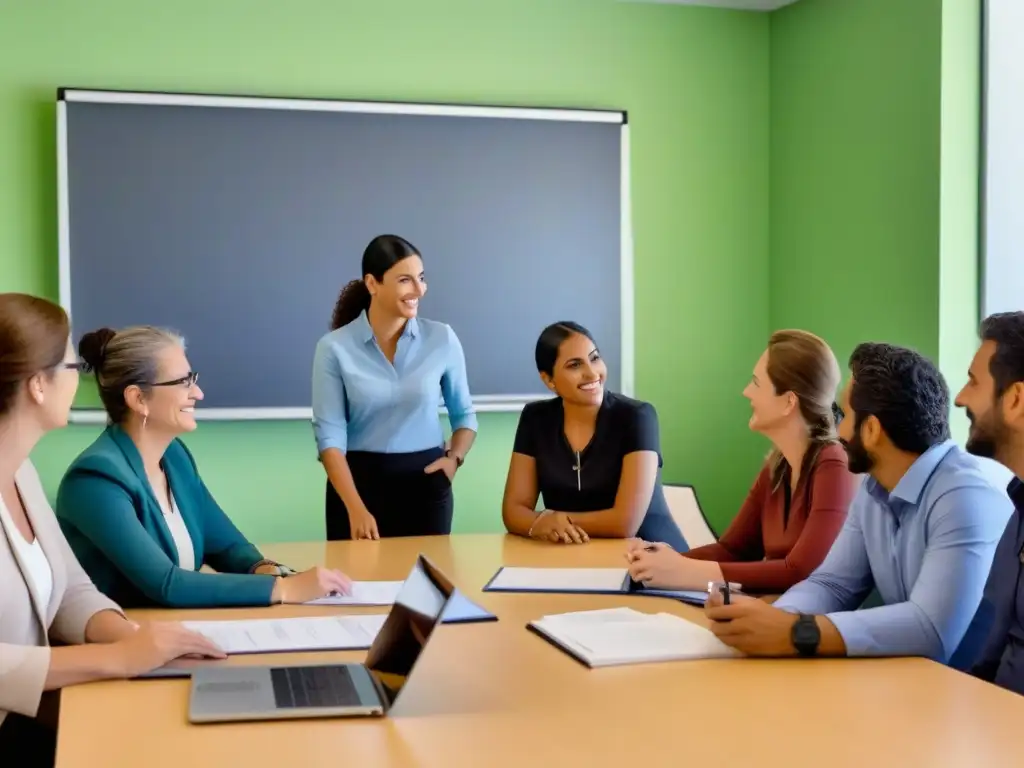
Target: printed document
x: 365, y: 593
x: 623, y: 636
x: 561, y: 579
x: 318, y: 633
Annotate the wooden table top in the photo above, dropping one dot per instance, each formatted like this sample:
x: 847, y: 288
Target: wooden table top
x: 494, y: 694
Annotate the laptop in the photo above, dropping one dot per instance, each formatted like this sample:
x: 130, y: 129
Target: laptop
x: 236, y: 693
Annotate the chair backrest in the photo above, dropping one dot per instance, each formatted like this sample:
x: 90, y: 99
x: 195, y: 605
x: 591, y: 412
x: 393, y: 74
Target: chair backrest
x: 686, y: 511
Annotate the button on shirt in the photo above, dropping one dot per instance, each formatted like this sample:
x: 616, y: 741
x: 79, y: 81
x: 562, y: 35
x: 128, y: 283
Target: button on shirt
x: 589, y: 481
x: 927, y: 547
x: 361, y: 402
x: 1002, y: 659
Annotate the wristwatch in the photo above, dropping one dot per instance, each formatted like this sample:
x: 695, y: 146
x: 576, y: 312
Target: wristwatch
x: 458, y: 459
x: 805, y: 635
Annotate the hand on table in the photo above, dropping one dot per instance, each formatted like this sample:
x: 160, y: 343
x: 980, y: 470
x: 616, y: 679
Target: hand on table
x: 657, y: 565
x: 158, y: 642
x: 363, y: 525
x: 311, y: 585
x: 751, y: 626
x: 559, y: 528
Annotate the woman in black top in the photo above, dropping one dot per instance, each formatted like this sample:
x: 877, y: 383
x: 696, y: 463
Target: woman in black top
x: 593, y: 455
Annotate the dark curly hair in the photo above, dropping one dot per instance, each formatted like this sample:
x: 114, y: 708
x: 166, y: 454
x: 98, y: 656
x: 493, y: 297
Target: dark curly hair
x: 1006, y: 330
x: 383, y: 252
x: 904, y: 391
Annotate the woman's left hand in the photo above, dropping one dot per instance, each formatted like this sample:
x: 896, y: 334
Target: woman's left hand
x: 446, y: 464
x: 660, y: 566
x: 657, y: 565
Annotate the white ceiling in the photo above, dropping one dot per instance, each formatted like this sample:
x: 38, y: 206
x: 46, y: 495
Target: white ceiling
x: 745, y: 5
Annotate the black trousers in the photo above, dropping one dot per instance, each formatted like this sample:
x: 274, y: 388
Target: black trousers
x: 403, y: 499
x: 26, y: 742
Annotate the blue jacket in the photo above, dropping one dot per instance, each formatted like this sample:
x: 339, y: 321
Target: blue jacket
x: 115, y: 525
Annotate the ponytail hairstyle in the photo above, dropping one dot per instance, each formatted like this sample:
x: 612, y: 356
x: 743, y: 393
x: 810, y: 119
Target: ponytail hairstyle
x: 125, y: 358
x: 550, y: 342
x: 383, y: 252
x: 802, y: 363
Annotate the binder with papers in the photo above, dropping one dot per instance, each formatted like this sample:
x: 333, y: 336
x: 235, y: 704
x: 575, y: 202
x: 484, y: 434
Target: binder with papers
x: 618, y: 636
x: 460, y: 609
x: 593, y: 581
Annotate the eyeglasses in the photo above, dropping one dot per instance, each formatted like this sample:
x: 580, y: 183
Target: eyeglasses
x: 79, y: 365
x: 189, y: 380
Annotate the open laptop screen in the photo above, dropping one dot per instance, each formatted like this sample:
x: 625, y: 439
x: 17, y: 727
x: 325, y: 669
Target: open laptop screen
x: 417, y: 610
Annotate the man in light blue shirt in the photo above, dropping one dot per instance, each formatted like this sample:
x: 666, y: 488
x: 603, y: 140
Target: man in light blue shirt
x: 922, y: 531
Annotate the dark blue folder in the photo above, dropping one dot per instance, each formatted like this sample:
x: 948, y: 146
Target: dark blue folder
x: 628, y: 587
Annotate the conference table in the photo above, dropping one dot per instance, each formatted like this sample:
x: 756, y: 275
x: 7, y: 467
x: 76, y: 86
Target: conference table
x: 495, y: 694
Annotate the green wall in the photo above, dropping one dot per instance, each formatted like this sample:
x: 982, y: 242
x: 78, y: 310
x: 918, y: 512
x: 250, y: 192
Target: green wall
x: 695, y: 82
x: 874, y: 175
x: 855, y: 171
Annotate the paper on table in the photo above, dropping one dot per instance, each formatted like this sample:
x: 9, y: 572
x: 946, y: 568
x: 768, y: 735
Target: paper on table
x: 560, y: 579
x: 625, y: 636
x: 365, y: 593
x: 320, y: 633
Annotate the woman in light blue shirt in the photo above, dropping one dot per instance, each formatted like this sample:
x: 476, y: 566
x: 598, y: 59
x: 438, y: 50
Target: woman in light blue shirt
x: 378, y: 377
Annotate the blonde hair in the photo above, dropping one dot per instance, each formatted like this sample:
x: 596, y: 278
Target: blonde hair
x: 802, y: 363
x: 125, y: 358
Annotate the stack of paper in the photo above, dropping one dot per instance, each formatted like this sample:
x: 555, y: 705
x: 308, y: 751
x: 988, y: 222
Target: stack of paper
x: 623, y: 636
x: 365, y: 593
x: 509, y: 579
x: 320, y: 633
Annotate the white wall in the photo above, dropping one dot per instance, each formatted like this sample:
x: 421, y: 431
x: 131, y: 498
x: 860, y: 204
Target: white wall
x: 1003, y: 217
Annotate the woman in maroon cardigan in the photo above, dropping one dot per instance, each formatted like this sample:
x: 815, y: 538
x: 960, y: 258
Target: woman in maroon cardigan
x: 799, y: 501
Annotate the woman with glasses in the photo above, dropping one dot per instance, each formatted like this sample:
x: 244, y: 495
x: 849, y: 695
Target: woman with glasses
x: 133, y: 506
x: 56, y: 629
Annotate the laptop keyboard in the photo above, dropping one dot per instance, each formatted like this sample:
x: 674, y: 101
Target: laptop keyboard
x: 327, y: 686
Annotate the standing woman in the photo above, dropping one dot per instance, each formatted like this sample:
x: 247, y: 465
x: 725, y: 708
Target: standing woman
x: 378, y: 377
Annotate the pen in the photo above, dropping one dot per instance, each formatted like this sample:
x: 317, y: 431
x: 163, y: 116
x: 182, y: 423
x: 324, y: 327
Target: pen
x: 724, y: 589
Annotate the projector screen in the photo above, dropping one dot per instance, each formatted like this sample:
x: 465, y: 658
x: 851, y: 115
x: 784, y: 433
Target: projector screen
x: 236, y: 221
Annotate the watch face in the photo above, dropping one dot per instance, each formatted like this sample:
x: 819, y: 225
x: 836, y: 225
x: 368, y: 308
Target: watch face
x: 806, y: 633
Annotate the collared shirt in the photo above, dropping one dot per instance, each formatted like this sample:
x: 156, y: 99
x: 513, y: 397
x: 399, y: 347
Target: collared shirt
x: 927, y: 547
x: 362, y: 402
x: 1002, y: 657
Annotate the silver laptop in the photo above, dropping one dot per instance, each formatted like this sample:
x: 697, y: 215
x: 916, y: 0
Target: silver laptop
x: 223, y: 694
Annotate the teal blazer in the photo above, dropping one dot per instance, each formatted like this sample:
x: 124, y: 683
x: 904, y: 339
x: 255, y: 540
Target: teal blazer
x: 116, y: 528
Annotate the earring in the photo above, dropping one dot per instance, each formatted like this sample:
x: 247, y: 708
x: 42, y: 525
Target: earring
x: 145, y: 418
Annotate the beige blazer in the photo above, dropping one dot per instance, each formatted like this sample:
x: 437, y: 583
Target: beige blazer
x: 26, y: 628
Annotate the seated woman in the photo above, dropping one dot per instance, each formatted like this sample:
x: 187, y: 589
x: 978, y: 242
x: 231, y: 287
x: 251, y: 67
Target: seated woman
x: 799, y: 500
x: 593, y: 455
x: 45, y: 596
x: 133, y: 506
